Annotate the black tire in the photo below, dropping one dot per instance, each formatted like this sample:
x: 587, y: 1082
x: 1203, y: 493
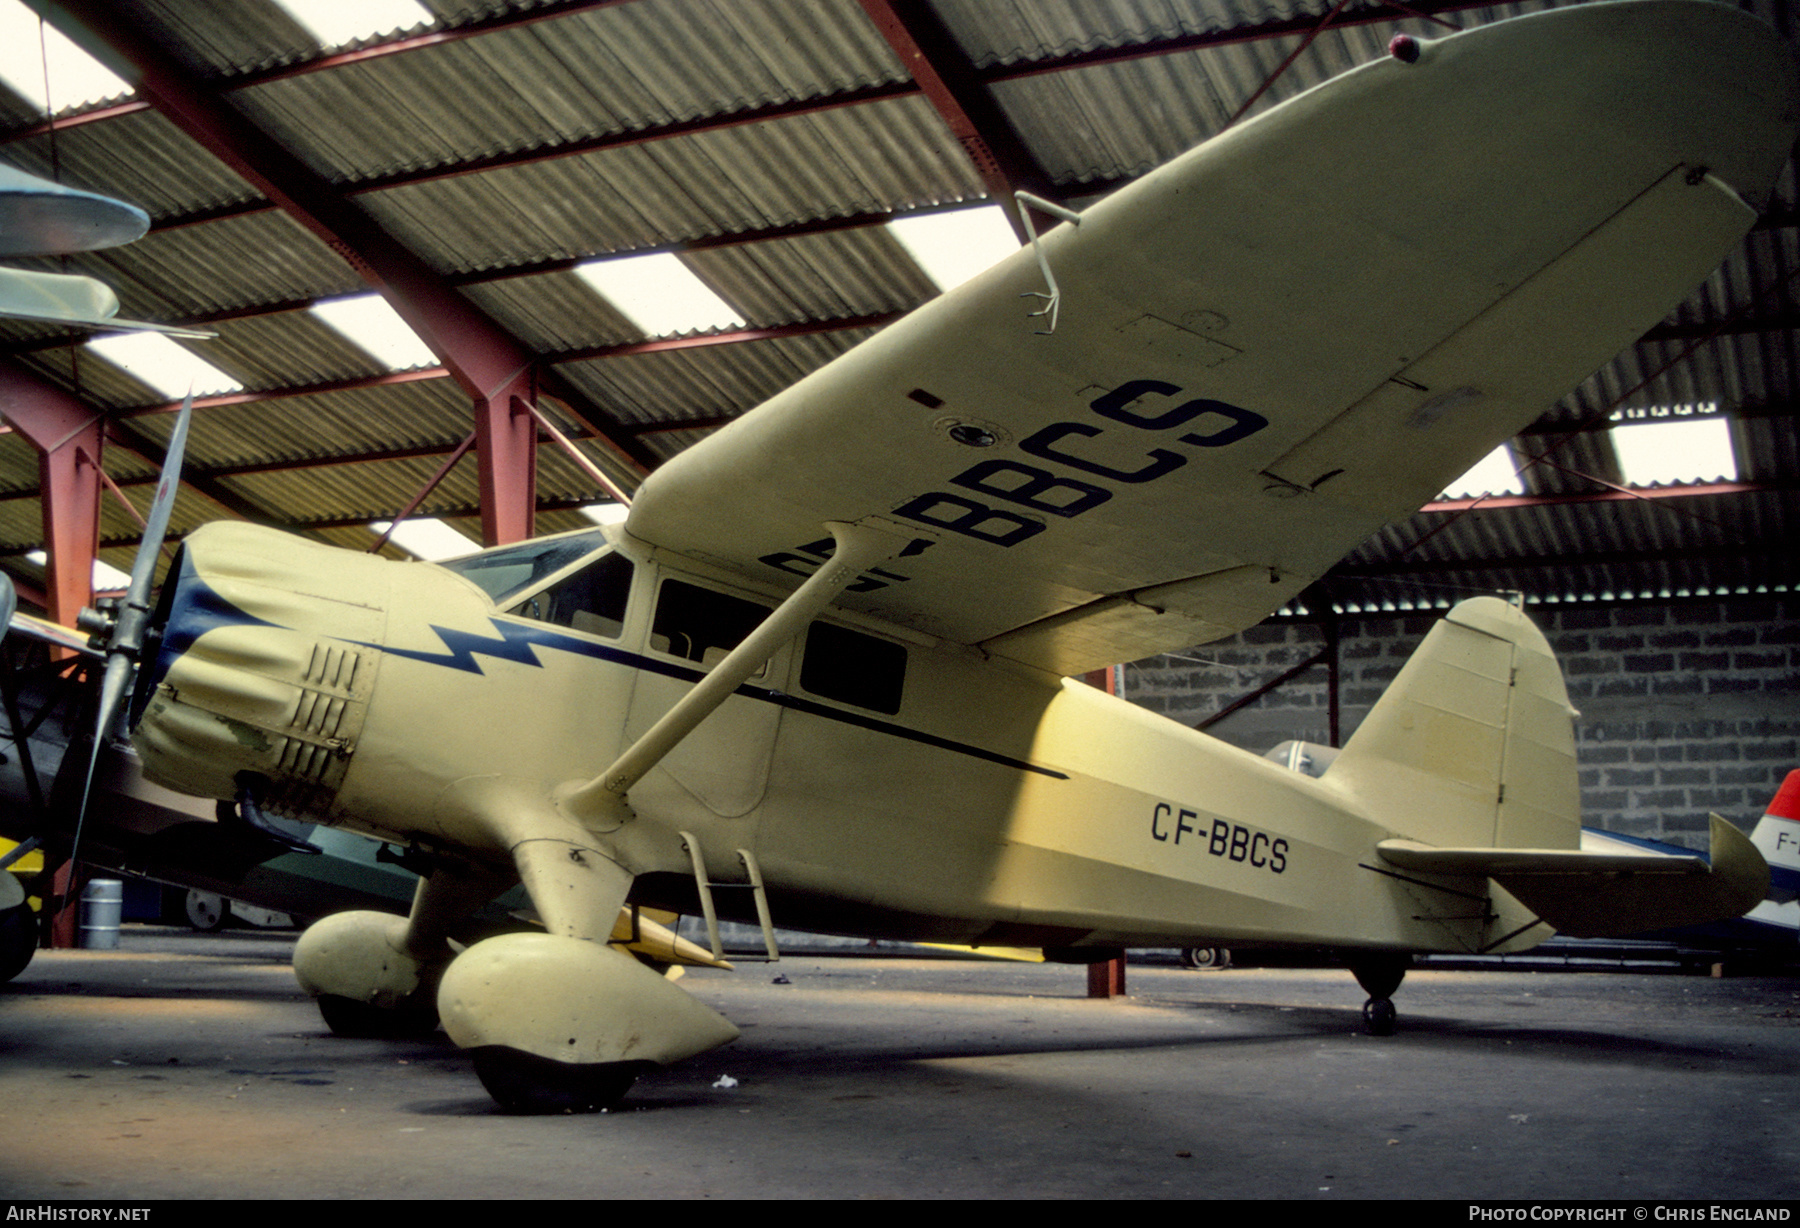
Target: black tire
x: 524, y: 1083
x: 361, y: 1021
x: 1214, y: 958
x: 18, y: 940
x: 1379, y: 1016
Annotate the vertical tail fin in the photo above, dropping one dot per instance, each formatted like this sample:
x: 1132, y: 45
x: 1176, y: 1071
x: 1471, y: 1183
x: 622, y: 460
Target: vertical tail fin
x: 1473, y: 744
x: 1777, y: 836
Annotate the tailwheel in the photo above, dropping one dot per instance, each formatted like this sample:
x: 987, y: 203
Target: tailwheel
x: 1215, y: 958
x: 523, y: 1082
x: 1379, y: 1016
x: 1380, y: 976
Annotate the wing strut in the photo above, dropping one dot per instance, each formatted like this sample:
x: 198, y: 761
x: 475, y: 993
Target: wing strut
x: 859, y: 547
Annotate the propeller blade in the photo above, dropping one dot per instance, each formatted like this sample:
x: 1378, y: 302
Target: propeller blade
x: 156, y: 524
x: 127, y: 638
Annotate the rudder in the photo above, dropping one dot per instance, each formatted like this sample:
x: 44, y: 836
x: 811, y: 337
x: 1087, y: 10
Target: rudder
x: 1473, y: 744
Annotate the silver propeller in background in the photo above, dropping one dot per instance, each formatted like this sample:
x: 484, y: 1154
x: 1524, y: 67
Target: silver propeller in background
x: 121, y: 632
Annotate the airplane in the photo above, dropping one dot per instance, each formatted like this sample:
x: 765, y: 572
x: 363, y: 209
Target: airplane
x: 39, y: 217
x: 1777, y: 836
x: 821, y: 673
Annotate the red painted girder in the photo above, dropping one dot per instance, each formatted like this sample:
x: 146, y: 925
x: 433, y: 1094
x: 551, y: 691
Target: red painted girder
x: 941, y: 69
x: 1250, y: 33
x: 546, y: 10
x: 638, y: 136
x: 222, y: 399
x: 478, y: 352
x: 736, y: 336
x: 1753, y: 554
x: 980, y: 78
x: 484, y: 359
x: 47, y: 416
x: 431, y: 484
x: 561, y: 264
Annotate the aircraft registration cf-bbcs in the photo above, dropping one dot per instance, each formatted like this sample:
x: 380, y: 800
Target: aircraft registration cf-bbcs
x: 825, y: 658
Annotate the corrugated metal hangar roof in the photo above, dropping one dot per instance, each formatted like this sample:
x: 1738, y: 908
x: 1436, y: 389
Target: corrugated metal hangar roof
x: 496, y: 147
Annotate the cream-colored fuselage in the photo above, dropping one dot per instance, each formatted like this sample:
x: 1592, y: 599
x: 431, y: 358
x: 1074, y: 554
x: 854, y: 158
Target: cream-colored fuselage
x: 998, y: 805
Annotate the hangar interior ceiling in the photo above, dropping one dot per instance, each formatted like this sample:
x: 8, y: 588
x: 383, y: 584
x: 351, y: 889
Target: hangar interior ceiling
x: 475, y: 162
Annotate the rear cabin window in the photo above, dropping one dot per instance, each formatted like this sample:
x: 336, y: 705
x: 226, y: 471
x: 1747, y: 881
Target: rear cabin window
x: 853, y: 668
x: 699, y: 625
x: 591, y: 600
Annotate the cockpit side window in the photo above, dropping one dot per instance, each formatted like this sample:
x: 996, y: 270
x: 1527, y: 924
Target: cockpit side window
x: 509, y: 570
x: 698, y: 624
x: 591, y: 600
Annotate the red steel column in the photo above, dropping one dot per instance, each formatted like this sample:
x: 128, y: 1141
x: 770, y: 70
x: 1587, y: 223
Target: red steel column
x: 67, y: 434
x: 1105, y: 979
x: 69, y: 478
x: 506, y: 450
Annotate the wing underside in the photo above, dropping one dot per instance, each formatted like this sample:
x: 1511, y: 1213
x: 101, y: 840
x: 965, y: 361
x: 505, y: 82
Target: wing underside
x: 1266, y: 349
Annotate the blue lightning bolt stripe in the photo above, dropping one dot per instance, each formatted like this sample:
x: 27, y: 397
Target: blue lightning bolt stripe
x: 518, y: 643
x: 201, y: 609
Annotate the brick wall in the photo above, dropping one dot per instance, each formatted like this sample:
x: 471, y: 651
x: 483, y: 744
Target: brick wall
x: 1687, y: 706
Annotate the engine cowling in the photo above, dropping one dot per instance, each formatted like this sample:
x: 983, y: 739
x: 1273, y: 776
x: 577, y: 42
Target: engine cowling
x: 267, y: 660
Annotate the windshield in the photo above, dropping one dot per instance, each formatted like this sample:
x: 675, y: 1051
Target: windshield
x: 504, y: 572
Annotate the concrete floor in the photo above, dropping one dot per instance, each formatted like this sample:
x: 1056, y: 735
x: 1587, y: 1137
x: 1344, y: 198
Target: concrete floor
x: 186, y: 1066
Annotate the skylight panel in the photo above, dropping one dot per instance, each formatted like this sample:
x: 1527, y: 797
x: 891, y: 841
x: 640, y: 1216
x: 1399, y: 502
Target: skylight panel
x: 953, y: 247
x: 1692, y: 449
x: 337, y: 22
x: 107, y: 578
x: 426, y: 538
x: 163, y: 365
x: 659, y: 294
x: 76, y: 78
x: 368, y: 322
x: 605, y: 513
x: 1494, y: 474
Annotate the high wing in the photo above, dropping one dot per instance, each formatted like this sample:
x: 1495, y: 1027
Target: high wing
x: 1264, y: 350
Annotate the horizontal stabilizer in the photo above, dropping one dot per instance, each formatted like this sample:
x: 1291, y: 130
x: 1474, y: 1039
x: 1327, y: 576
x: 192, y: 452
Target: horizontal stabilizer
x: 1602, y: 894
x: 1411, y: 855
